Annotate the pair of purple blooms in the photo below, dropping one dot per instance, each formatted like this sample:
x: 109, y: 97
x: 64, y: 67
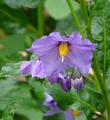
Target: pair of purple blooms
x: 55, y: 54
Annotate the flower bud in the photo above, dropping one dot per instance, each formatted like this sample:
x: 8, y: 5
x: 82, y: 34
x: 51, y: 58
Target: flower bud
x: 77, y: 83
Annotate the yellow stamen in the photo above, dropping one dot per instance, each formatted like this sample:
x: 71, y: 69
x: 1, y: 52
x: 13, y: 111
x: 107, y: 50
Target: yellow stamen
x: 76, y: 113
x: 63, y: 50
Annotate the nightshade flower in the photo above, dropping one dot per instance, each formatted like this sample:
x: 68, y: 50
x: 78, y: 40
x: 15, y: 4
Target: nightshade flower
x: 66, y: 81
x: 60, y: 52
x: 52, y: 105
x: 34, y: 68
x: 62, y: 79
x: 77, y: 79
x: 77, y: 83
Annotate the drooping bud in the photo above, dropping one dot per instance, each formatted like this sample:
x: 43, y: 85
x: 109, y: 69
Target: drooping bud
x: 77, y: 79
x: 65, y: 82
x: 77, y: 83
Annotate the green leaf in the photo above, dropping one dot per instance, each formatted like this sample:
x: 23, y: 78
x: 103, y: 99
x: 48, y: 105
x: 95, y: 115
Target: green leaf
x: 59, y: 9
x: 100, y: 31
x: 26, y: 105
x: 12, y: 44
x: 9, y: 111
x: 22, y: 3
x: 10, y: 70
x: 6, y: 86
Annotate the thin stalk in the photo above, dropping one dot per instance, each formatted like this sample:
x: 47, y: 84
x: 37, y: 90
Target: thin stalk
x: 40, y: 20
x: 105, y: 52
x: 96, y: 81
x: 86, y: 18
x: 74, y: 14
x: 96, y: 69
x: 102, y: 86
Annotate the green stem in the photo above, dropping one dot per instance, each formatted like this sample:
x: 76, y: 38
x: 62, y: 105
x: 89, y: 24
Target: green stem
x: 74, y: 14
x: 105, y: 51
x: 103, y: 86
x: 40, y: 20
x: 96, y: 81
x: 96, y: 69
x: 86, y: 18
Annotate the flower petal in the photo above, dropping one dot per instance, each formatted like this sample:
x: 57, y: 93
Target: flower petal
x: 69, y: 115
x: 50, y: 61
x: 57, y: 36
x: 81, y: 58
x: 48, y: 98
x: 37, y: 69
x: 76, y: 40
x: 64, y: 82
x: 46, y: 43
x: 53, y: 78
x: 25, y: 67
x: 34, y: 67
x: 43, y: 45
x: 77, y: 83
x: 51, y: 104
x: 50, y: 113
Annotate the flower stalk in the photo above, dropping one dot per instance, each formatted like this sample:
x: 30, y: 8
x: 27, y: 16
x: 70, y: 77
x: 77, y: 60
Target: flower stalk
x: 74, y: 14
x: 40, y: 20
x: 105, y: 52
x: 86, y: 18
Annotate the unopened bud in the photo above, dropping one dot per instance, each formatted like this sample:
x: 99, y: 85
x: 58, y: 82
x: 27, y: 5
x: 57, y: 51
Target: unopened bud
x: 77, y: 83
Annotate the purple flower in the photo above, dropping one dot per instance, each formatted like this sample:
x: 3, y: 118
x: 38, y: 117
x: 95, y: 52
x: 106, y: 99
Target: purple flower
x: 77, y: 79
x: 52, y: 105
x: 67, y: 81
x: 62, y: 79
x: 57, y: 53
x: 77, y: 83
x: 60, y: 52
x: 34, y: 68
x: 25, y: 67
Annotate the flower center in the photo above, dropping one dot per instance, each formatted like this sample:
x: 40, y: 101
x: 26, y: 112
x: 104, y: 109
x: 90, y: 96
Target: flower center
x: 63, y: 50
